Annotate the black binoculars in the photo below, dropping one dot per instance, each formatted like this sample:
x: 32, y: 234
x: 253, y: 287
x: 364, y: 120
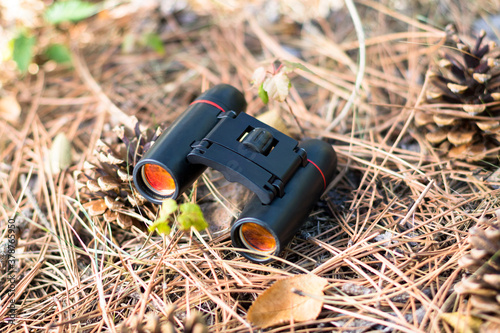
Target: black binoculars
x: 286, y: 177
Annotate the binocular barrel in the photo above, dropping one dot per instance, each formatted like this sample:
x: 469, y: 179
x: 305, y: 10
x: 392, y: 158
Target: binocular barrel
x: 267, y: 229
x: 164, y: 171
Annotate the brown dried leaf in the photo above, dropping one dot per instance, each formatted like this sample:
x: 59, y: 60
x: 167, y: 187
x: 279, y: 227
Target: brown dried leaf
x: 279, y: 304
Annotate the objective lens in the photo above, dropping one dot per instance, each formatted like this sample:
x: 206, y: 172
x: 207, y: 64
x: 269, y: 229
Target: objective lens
x: 158, y: 179
x: 256, y: 237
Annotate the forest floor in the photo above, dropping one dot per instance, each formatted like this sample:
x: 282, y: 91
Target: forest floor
x: 387, y: 235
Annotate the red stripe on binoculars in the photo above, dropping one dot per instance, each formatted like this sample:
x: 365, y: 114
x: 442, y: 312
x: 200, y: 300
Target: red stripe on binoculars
x: 210, y: 103
x: 321, y: 172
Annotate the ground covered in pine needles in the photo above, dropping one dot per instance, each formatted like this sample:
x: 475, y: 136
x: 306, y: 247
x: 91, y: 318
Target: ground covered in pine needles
x: 387, y: 235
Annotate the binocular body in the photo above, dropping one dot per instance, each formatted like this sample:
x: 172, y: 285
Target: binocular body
x: 286, y: 177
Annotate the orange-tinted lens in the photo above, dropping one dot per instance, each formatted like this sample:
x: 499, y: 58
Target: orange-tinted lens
x: 159, y: 179
x: 257, y: 237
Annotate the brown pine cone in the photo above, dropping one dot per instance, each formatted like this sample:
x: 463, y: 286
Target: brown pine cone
x: 465, y: 126
x: 484, y: 261
x: 106, y: 184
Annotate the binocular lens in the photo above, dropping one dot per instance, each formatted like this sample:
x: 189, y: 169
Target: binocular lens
x: 158, y: 179
x: 256, y: 237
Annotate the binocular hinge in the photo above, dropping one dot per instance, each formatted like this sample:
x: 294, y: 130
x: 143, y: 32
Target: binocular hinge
x: 250, y: 152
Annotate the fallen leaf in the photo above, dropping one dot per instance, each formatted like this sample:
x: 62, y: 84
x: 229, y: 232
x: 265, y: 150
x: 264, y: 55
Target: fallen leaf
x: 279, y: 304
x: 462, y: 323
x: 10, y: 109
x: 60, y: 154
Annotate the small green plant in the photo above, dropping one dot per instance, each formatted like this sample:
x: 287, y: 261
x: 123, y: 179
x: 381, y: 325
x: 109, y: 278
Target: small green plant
x: 25, y: 46
x: 22, y: 51
x: 186, y: 215
x: 275, y: 84
x: 70, y: 11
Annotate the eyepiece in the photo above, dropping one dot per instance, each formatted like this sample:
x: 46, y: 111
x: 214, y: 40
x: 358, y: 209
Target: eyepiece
x: 256, y: 237
x: 158, y: 179
x: 155, y: 180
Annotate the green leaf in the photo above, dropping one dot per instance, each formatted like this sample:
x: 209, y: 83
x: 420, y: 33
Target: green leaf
x: 162, y: 227
x: 23, y: 51
x: 70, y: 10
x: 295, y: 65
x: 59, y: 53
x: 263, y: 94
x: 162, y: 223
x: 200, y: 224
x: 191, y: 208
x: 191, y: 216
x: 154, y: 41
x: 168, y: 207
x: 185, y: 221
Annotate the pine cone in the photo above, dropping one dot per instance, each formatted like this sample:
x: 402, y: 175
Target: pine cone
x: 467, y: 130
x: 107, y: 184
x: 150, y: 324
x: 484, y: 261
x: 195, y: 323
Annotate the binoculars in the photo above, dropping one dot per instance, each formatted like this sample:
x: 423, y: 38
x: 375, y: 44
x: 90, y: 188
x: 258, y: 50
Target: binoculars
x: 286, y: 177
